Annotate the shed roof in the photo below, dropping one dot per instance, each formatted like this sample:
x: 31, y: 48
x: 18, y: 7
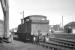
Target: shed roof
x: 71, y: 24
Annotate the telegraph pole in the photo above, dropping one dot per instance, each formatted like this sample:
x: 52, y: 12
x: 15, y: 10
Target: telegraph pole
x: 62, y: 21
x: 22, y: 20
x: 23, y: 14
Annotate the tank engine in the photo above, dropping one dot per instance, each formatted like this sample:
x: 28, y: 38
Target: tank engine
x: 33, y: 27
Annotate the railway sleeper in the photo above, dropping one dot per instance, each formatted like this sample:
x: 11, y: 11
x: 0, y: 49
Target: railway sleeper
x: 57, y: 44
x: 65, y: 43
x: 69, y: 47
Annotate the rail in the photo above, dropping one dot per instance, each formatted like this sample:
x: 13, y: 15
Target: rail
x: 58, y: 44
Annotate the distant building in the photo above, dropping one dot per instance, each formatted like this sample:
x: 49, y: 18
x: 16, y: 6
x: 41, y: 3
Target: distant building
x: 14, y: 30
x: 1, y: 27
x: 55, y: 27
x: 70, y: 27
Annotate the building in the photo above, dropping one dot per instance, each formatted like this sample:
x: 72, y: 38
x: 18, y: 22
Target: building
x: 70, y: 27
x: 1, y: 28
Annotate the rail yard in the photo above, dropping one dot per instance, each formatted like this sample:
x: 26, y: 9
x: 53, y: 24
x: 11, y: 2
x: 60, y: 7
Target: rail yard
x: 35, y: 33
x: 59, y: 41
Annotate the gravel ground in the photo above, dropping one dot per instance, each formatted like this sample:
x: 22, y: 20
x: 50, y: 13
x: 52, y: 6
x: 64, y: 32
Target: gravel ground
x: 16, y: 45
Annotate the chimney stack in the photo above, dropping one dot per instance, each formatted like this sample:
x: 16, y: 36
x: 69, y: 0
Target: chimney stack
x: 22, y: 21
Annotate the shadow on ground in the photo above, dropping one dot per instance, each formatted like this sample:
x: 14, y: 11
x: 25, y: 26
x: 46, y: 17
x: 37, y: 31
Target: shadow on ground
x: 21, y: 40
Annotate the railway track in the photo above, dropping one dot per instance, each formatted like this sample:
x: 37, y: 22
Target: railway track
x: 58, y: 44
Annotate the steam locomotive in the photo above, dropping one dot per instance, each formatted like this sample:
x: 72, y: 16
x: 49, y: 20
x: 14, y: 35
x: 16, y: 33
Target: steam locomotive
x: 33, y: 28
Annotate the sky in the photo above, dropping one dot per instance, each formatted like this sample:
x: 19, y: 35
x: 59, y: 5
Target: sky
x: 53, y: 9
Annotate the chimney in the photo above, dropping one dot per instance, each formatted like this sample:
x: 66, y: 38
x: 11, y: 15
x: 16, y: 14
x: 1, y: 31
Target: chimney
x: 22, y: 21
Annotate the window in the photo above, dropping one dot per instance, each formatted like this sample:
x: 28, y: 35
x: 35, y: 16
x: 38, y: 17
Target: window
x: 27, y: 19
